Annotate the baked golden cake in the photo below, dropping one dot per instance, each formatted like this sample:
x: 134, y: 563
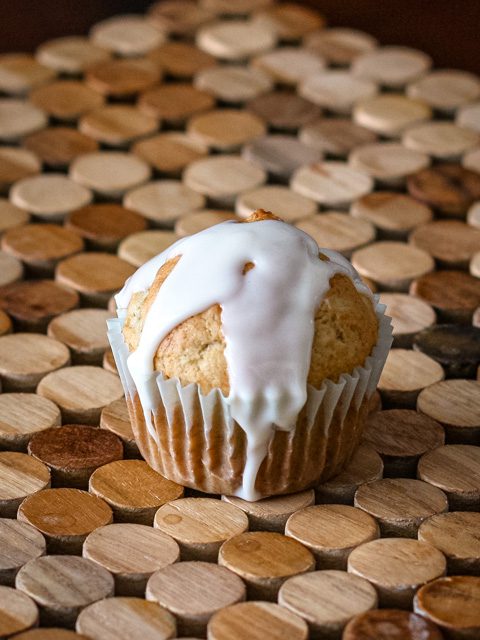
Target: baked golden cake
x: 248, y: 357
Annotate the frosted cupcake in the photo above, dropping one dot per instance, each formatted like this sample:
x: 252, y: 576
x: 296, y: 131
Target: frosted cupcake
x: 248, y: 357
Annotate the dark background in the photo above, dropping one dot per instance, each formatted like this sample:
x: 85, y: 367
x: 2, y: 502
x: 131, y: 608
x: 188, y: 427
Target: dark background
x: 448, y: 30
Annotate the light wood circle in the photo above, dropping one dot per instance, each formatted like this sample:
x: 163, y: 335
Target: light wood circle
x: 289, y: 65
x: 284, y: 110
x: 234, y: 84
x: 388, y: 162
x: 49, y: 196
x: 20, y: 477
x: 468, y: 116
x: 15, y: 164
x: 389, y: 114
x: 57, y: 147
x: 338, y: 231
x: 66, y: 99
x: 225, y: 129
x: 441, y: 140
x: 331, y: 184
x: 393, y: 265
x: 287, y: 204
x: 331, y: 532
x: 63, y: 585
x: 131, y: 552
x: 117, y: 125
x: 140, y: 247
x: 11, y: 269
x: 474, y: 265
x: 18, y: 118
x: 393, y: 213
x: 264, y: 560
x: 397, y: 567
x: 235, y: 39
x: 70, y: 55
x: 280, y: 155
x: 191, y: 223
x: 20, y: 73
x: 235, y: 7
x: 81, y: 392
x: 170, y: 152
x: 126, y: 35
x: 181, y: 60
x: 50, y: 633
x: 409, y: 316
x: 133, y: 490
x: 327, y: 600
x: 392, y: 66
x: 200, y: 525
x: 256, y: 620
x: 335, y: 137
x: 123, y: 78
x: 446, y: 90
x: 385, y: 624
x: 290, y: 21
x: 18, y: 612
x: 24, y: 414
x: 340, y: 45
x: 337, y: 91
x: 20, y: 544
x: 451, y: 242
x: 454, y: 468
x: 11, y: 216
x: 179, y: 17
x: 109, y: 173
x: 175, y: 102
x: 454, y: 294
x: 115, y: 418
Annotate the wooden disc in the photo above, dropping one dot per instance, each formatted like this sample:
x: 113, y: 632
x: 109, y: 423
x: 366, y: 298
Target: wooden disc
x: 337, y: 91
x: 64, y: 516
x: 59, y: 146
x: 115, y: 418
x: 289, y: 65
x: 126, y: 35
x: 200, y: 525
x: 392, y: 66
x: 178, y: 17
x: 144, y: 245
x: 49, y: 196
x: 15, y: 164
x: 109, y: 173
x: 468, y: 116
x: 20, y: 477
x: 453, y: 294
x: 392, y: 265
x: 162, y: 202
x: 122, y: 78
x: 340, y: 45
x: 338, y: 231
x: 235, y: 7
x: 33, y: 303
x: 335, y: 137
x: 280, y: 155
x: 451, y: 242
x: 400, y: 437
x: 264, y: 560
x: 387, y: 624
x: 175, y: 102
x: 255, y: 621
x: 50, y: 633
x: 66, y: 99
x: 18, y: 612
x: 225, y: 129
x: 287, y: 204
x: 409, y: 316
x: 271, y: 514
x: 365, y: 466
x: 442, y: 140
x: 20, y: 544
x: 453, y: 603
x: 11, y: 216
x: 19, y: 118
x: 133, y: 490
x: 446, y: 90
x: 83, y: 331
x: 235, y: 39
x: 41, y: 246
x: 123, y: 618
x: 331, y: 532
x: 222, y: 178
x: 20, y: 73
x: 233, y: 84
x: 390, y: 114
x: 94, y: 275
x: 342, y: 596
x: 191, y: 223
x: 205, y: 587
x: 454, y: 468
x: 170, y: 152
x: 70, y: 55
x: 131, y: 552
x: 284, y: 110
x: 81, y: 392
x: 73, y: 452
x: 332, y: 184
x: 455, y: 535
x: 117, y: 125
x: 181, y: 60
x: 455, y: 347
x: 11, y: 269
x: 27, y: 357
x: 396, y: 567
x: 63, y: 585
x: 388, y: 162
x: 24, y: 414
x: 290, y: 21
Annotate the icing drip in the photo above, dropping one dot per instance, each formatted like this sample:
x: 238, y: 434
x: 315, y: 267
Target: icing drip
x: 267, y: 319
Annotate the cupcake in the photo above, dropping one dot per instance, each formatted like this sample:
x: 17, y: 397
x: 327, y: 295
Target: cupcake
x: 248, y: 357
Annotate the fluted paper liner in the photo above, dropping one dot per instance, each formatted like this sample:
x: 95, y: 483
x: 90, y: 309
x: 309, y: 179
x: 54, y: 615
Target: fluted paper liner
x: 192, y: 438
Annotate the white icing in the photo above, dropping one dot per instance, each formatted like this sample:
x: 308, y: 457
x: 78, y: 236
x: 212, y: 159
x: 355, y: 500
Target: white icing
x: 267, y: 319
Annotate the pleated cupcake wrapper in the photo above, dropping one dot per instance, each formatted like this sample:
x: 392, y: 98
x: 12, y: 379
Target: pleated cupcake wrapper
x: 327, y: 406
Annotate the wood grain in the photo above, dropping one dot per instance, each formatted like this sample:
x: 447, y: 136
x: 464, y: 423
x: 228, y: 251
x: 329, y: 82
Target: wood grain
x: 83, y: 331
x: 115, y: 418
x: 117, y: 125
x: 287, y: 204
x: 225, y: 129
x: 394, y: 214
x: 71, y: 54
x: 175, y: 102
x: 18, y: 612
x: 441, y: 140
x: 338, y: 231
x: 15, y: 164
x: 66, y: 100
x: 140, y: 247
x: 57, y: 147
x: 181, y: 59
x: 390, y: 114
x: 170, y: 152
x: 453, y: 294
x: 386, y: 624
x: 409, y: 316
x: 284, y: 111
x: 23, y: 415
x: 20, y: 477
x: 20, y: 544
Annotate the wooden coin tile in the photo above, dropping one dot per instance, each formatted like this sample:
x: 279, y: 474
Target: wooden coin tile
x: 392, y: 66
x: 390, y: 114
x: 441, y: 140
x: 290, y: 21
x: 225, y: 129
x: 289, y: 65
x: 70, y: 55
x: 109, y: 173
x: 139, y: 247
x: 181, y: 60
x: 18, y: 612
x: 338, y: 231
x: 451, y: 242
x: 170, y: 152
x: 20, y: 544
x: 117, y: 125
x: 19, y: 118
x: 83, y: 331
x: 388, y: 162
x: 284, y: 110
x: 179, y: 17
x: 191, y: 223
x: 233, y: 84
x: 337, y: 91
x: 66, y: 99
x: 235, y: 39
x: 11, y: 216
x: 23, y: 415
x: 115, y: 418
x: 409, y: 315
x: 57, y: 147
x: 50, y: 633
x: 175, y: 102
x: 387, y: 624
x: 335, y: 137
x: 280, y: 155
x: 468, y: 116
x: 20, y: 73
x: 453, y: 294
x: 235, y: 8
x: 287, y: 204
x: 15, y: 164
x: 455, y: 347
x: 20, y: 476
x: 11, y: 269
x: 126, y: 35
x: 446, y: 90
x: 340, y: 45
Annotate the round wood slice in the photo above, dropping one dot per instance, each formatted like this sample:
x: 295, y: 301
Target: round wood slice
x: 390, y: 624
x: 139, y: 247
x: 392, y: 66
x: 327, y: 600
x: 468, y: 116
x: 338, y: 231
x: 66, y: 99
x: 59, y: 146
x: 63, y: 585
x: 50, y: 633
x: 20, y: 477
x: 441, y: 140
x: 225, y: 129
x: 19, y: 118
x: 20, y: 73
x: 191, y: 223
x: 122, y: 78
x: 451, y: 242
x: 115, y: 418
x: 455, y: 347
x: 340, y: 45
x: 388, y: 162
x: 290, y: 21
x: 133, y: 490
x: 117, y: 125
x: 175, y: 102
x: 178, y: 17
x: 64, y: 516
x: 70, y: 55
x: 337, y: 91
x: 170, y: 152
x: 409, y: 316
x: 455, y: 469
x: 255, y: 621
x: 390, y: 114
x: 20, y: 544
x: 11, y: 269
x: 331, y: 532
x: 290, y: 65
x: 264, y: 560
x: 84, y: 333
x: 200, y: 525
x: 235, y: 7
x: 126, y: 35
x: 15, y: 164
x: 205, y: 587
x: 335, y: 137
x: 446, y: 90
x: 181, y: 60
x: 235, y: 39
x: 365, y: 466
x: 131, y: 552
x: 287, y: 204
x: 453, y: 294
x: 284, y: 110
x: 81, y: 392
x: 23, y: 415
x: 11, y: 216
x: 397, y: 567
x: 18, y: 612
x: 73, y: 452
x: 233, y: 84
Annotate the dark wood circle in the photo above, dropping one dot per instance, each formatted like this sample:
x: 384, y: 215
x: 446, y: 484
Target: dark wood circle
x: 181, y: 59
x: 455, y: 347
x: 284, y: 110
x: 122, y: 78
x: 59, y: 146
x: 454, y: 294
x: 390, y: 624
